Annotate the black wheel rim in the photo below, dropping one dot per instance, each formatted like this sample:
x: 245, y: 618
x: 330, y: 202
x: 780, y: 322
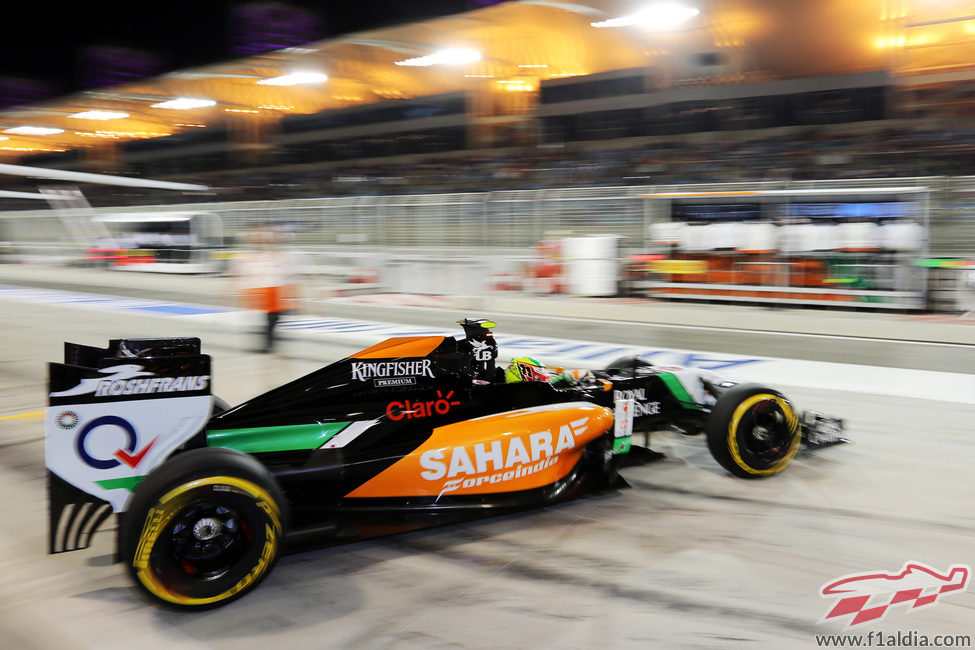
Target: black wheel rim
x: 206, y: 546
x: 764, y: 435
x: 207, y: 540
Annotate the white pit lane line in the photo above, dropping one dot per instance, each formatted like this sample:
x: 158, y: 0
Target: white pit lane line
x: 876, y: 380
x: 851, y: 378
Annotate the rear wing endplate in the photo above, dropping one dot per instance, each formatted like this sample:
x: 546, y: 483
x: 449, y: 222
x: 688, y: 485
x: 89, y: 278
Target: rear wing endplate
x: 113, y: 414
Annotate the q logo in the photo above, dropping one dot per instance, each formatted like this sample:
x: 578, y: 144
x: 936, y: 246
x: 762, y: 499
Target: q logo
x: 127, y: 455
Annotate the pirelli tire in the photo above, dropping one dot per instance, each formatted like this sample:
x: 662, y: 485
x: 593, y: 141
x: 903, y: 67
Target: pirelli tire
x: 753, y: 431
x: 203, y: 529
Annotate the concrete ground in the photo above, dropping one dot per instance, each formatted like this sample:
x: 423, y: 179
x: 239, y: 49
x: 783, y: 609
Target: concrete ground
x: 688, y: 557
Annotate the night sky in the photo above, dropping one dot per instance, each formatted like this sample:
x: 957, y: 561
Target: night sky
x: 50, y: 42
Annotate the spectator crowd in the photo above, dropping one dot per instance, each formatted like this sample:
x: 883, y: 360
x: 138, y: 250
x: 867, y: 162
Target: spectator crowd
x: 874, y: 150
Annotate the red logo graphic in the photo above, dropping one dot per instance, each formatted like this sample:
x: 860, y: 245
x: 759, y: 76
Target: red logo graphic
x: 867, y: 597
x: 409, y: 410
x: 132, y: 460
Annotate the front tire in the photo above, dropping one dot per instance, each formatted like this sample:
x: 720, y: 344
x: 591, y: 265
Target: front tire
x: 753, y: 431
x: 203, y: 529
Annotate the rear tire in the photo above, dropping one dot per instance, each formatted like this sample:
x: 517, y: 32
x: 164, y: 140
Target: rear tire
x: 219, y: 405
x: 203, y: 529
x: 753, y: 431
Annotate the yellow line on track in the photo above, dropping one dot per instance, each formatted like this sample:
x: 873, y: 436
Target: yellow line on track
x: 22, y: 415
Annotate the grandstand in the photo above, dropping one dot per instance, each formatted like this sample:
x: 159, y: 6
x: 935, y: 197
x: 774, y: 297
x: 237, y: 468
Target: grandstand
x: 544, y: 73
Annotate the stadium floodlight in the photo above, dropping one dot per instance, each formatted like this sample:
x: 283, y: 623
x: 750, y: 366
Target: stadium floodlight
x: 295, y: 78
x: 660, y: 16
x: 449, y: 56
x: 99, y: 115
x: 34, y: 130
x: 185, y: 103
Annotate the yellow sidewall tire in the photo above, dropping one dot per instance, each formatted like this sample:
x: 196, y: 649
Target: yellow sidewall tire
x: 793, y: 423
x: 724, y: 430
x: 159, y: 528
x: 157, y: 521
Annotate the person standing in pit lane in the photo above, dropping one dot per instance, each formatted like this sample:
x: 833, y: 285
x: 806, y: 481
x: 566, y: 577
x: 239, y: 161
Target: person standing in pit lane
x: 268, y: 282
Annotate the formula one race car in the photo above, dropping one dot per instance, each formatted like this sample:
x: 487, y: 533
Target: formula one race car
x: 408, y: 433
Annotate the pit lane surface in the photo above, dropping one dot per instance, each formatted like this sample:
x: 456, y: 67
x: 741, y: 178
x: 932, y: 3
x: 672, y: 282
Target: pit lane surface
x: 687, y: 558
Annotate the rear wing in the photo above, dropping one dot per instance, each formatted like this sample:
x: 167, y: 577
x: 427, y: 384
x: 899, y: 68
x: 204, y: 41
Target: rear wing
x: 113, y: 414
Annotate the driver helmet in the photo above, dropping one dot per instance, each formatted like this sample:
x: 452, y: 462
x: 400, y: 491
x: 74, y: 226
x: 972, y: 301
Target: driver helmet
x: 525, y: 369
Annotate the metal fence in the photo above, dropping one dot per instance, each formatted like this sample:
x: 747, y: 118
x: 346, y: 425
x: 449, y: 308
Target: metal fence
x: 499, y: 223
x: 512, y: 219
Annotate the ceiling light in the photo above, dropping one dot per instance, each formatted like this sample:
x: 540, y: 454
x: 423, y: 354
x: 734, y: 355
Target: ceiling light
x: 295, y: 78
x: 32, y: 149
x: 184, y: 103
x: 450, y: 56
x: 34, y: 130
x: 660, y: 16
x: 99, y: 115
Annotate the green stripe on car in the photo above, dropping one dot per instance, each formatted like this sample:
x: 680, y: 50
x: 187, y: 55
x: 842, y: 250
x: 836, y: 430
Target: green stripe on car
x: 621, y: 446
x: 258, y: 440
x: 129, y: 483
x: 677, y: 390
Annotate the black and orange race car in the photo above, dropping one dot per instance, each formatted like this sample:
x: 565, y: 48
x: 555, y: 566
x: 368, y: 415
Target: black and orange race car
x: 408, y: 433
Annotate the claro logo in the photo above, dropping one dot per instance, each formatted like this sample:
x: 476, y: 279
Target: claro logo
x: 500, y: 460
x: 410, y: 410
